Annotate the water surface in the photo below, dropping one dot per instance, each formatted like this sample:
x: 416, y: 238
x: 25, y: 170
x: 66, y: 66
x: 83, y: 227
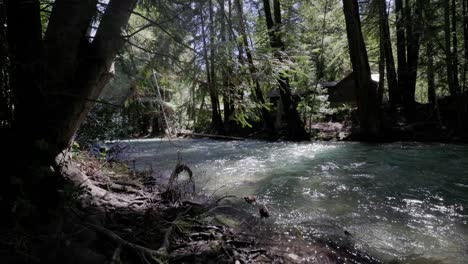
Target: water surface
x: 404, y: 201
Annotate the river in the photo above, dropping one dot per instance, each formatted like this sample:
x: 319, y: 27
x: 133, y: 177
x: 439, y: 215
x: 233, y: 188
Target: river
x: 399, y: 201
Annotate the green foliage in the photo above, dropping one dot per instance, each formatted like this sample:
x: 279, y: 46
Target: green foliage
x: 103, y: 123
x: 166, y: 37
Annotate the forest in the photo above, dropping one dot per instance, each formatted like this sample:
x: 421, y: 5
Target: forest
x: 234, y: 131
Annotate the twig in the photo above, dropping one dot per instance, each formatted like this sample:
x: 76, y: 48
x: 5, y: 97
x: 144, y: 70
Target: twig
x: 116, y: 255
x: 224, y: 197
x: 123, y: 242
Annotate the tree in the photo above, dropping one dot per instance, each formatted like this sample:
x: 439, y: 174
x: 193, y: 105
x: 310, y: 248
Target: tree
x: 216, y: 121
x: 449, y: 56
x: 256, y: 91
x: 385, y: 38
x: 366, y: 94
x: 409, y: 27
x: 55, y: 78
x: 294, y: 126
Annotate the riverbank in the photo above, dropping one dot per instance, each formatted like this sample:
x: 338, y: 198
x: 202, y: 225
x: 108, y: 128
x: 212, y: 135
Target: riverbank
x: 392, y: 198
x: 115, y: 215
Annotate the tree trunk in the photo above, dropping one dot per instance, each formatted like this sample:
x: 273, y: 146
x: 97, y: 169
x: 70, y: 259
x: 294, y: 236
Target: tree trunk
x: 257, y: 92
x: 366, y: 93
x: 431, y: 92
x: 465, y: 67
x: 393, y: 88
x: 380, y: 89
x: 409, y: 30
x: 54, y: 82
x: 24, y: 34
x: 6, y: 109
x: 294, y: 127
x: 448, y: 49
x: 401, y: 45
x: 216, y: 121
x: 465, y: 45
x: 431, y: 89
x: 225, y: 72
x: 91, y: 64
x: 414, y: 31
x: 456, y: 81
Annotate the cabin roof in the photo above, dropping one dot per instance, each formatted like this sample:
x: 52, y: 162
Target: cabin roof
x: 375, y: 77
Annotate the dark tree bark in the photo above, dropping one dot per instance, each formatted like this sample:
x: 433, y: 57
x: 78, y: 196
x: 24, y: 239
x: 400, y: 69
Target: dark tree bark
x: 414, y: 32
x: 401, y: 45
x: 225, y: 72
x: 294, y: 127
x: 465, y: 44
x: 431, y: 92
x: 465, y: 65
x: 216, y: 121
x: 393, y: 88
x: 55, y: 80
x: 24, y: 34
x: 456, y: 81
x: 409, y: 31
x: 6, y: 111
x: 366, y: 92
x: 91, y: 62
x: 380, y: 89
x: 430, y: 53
x: 448, y: 50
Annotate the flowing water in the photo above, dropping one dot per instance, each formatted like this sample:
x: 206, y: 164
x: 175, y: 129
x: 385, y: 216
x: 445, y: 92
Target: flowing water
x: 404, y: 201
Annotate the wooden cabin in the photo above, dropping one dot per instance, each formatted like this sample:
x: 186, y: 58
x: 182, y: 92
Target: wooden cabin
x: 344, y: 91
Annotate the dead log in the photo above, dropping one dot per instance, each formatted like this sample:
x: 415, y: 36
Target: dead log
x: 210, y: 136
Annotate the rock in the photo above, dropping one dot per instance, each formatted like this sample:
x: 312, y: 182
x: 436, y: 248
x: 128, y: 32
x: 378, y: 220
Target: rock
x: 250, y: 199
x: 264, y: 213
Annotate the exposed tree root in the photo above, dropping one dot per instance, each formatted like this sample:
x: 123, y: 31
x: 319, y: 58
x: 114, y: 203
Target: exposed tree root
x: 113, y: 225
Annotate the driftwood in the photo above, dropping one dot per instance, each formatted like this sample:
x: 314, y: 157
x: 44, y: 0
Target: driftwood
x: 173, y: 192
x: 211, y: 136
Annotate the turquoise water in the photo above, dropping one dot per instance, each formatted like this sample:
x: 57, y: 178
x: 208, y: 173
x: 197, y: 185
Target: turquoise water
x: 405, y: 201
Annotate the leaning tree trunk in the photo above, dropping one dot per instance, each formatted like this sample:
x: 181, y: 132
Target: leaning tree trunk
x: 54, y: 82
x: 294, y: 127
x: 77, y: 70
x: 366, y: 92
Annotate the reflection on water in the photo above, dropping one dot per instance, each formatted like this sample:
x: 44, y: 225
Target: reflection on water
x: 399, y: 201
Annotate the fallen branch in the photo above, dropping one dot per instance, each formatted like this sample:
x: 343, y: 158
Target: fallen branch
x: 224, y: 197
x: 123, y: 242
x: 212, y: 136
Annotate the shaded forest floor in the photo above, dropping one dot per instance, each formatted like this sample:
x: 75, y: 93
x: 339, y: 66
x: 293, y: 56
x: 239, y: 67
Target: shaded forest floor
x: 114, y: 215
x: 424, y: 124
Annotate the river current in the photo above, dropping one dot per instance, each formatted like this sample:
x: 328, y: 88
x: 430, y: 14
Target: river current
x: 399, y: 201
